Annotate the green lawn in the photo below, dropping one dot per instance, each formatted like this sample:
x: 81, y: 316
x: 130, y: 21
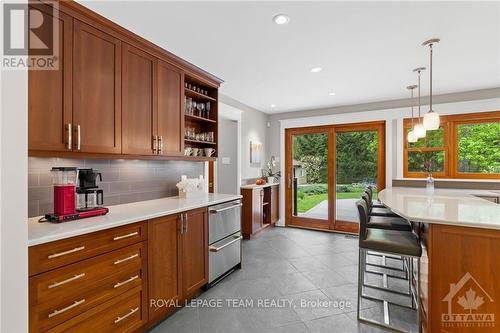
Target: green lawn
x: 310, y: 201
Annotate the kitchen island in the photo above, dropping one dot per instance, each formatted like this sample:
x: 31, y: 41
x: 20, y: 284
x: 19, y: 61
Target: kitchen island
x: 459, y: 274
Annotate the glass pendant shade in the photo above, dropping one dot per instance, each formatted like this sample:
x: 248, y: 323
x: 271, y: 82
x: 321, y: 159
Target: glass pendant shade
x: 431, y: 121
x: 412, y: 138
x: 419, y: 131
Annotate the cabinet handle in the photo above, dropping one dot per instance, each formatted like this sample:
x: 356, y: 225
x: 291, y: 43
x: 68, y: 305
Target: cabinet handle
x: 186, y: 222
x: 119, y: 284
x: 135, y: 233
x: 76, y: 249
x: 57, y: 284
x: 182, y: 224
x: 78, y: 137
x: 155, y: 145
x: 160, y: 149
x: 69, y: 307
x: 69, y: 129
x: 132, y: 311
x: 119, y: 261
x: 215, y: 211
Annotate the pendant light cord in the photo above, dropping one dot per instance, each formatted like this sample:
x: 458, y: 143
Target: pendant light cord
x: 430, y: 75
x: 418, y: 95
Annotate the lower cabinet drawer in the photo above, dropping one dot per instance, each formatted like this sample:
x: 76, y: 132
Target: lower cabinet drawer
x: 56, y: 311
x: 67, y: 292
x: 125, y: 313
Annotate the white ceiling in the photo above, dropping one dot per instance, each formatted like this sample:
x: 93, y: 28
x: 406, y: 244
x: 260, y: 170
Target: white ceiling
x: 366, y: 49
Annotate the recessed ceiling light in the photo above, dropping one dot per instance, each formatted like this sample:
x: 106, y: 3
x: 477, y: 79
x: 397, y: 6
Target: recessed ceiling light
x: 273, y: 105
x: 281, y: 19
x: 316, y: 69
x: 331, y: 94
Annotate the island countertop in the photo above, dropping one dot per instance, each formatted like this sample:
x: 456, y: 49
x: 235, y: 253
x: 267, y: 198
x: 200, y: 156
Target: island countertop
x: 444, y: 206
x: 39, y: 233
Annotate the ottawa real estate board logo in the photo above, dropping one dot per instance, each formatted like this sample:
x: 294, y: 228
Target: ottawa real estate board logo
x: 466, y: 303
x: 30, y: 35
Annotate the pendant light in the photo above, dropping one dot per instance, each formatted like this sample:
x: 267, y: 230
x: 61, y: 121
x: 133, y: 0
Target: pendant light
x: 411, y: 134
x: 419, y: 128
x: 431, y: 118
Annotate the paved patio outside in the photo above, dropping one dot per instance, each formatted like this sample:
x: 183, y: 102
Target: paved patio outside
x: 346, y: 210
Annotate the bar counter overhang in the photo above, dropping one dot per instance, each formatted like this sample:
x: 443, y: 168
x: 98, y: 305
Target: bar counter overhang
x: 459, y: 270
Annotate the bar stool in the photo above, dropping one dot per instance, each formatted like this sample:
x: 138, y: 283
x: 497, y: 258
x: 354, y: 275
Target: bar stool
x: 387, y: 223
x: 375, y: 204
x: 377, y: 211
x: 399, y: 243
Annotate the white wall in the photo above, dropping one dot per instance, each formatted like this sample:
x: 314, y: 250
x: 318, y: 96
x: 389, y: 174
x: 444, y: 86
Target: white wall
x: 14, y: 202
x: 253, y: 128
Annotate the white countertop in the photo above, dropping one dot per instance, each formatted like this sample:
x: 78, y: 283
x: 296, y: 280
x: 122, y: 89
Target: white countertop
x: 39, y: 233
x: 252, y: 186
x: 457, y: 207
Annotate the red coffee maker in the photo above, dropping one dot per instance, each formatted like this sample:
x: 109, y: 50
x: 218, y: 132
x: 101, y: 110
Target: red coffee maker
x: 64, y: 180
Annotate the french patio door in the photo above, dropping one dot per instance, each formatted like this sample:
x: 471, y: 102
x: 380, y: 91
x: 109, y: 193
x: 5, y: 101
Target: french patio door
x: 326, y: 171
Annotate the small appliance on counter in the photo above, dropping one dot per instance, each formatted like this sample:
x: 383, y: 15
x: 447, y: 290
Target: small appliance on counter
x: 72, y: 203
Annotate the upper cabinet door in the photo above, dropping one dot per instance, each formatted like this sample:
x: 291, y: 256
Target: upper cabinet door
x: 138, y: 103
x: 170, y: 110
x: 96, y: 90
x: 49, y: 94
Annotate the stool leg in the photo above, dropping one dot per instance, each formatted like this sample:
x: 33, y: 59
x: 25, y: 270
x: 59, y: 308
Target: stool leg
x: 360, y: 279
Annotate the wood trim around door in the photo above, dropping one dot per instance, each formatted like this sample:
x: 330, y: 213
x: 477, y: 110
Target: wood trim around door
x: 331, y: 224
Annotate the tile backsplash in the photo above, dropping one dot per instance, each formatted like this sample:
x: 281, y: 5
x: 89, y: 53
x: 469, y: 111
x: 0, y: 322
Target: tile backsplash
x: 123, y: 181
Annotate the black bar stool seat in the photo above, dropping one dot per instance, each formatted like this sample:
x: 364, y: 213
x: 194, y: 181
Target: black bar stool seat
x: 382, y: 212
x: 391, y: 223
x: 391, y: 241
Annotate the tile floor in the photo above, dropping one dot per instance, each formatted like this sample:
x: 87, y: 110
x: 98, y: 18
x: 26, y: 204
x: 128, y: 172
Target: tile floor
x: 310, y: 277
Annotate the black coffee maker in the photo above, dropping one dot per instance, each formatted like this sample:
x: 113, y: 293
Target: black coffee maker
x: 88, y: 195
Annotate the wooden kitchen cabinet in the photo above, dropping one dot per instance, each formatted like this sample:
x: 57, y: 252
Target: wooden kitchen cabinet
x: 170, y: 119
x: 49, y: 93
x: 195, y: 251
x: 138, y: 102
x: 115, y: 94
x: 164, y: 264
x: 260, y: 208
x: 96, y: 90
x: 177, y: 260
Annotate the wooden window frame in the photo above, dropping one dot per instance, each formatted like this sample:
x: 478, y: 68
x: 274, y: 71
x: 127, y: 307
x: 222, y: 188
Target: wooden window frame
x: 450, y: 146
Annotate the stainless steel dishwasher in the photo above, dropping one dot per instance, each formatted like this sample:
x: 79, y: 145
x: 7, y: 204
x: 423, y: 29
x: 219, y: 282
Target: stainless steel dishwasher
x: 224, y: 239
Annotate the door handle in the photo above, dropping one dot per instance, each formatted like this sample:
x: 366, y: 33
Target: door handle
x: 289, y: 181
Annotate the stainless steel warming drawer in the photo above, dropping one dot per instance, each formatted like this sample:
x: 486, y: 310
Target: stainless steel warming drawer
x: 224, y: 238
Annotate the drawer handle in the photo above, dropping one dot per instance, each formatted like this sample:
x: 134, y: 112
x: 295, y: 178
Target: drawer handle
x: 212, y: 248
x: 76, y: 249
x: 132, y: 311
x: 119, y: 284
x: 119, y: 261
x: 215, y: 211
x: 76, y: 277
x: 75, y: 304
x: 135, y: 233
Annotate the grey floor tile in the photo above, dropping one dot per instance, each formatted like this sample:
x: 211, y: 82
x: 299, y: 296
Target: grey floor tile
x: 325, y: 278
x: 308, y: 264
x: 291, y: 328
x: 310, y: 305
x: 264, y: 317
x: 183, y: 321
x: 293, y: 283
x: 225, y: 320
